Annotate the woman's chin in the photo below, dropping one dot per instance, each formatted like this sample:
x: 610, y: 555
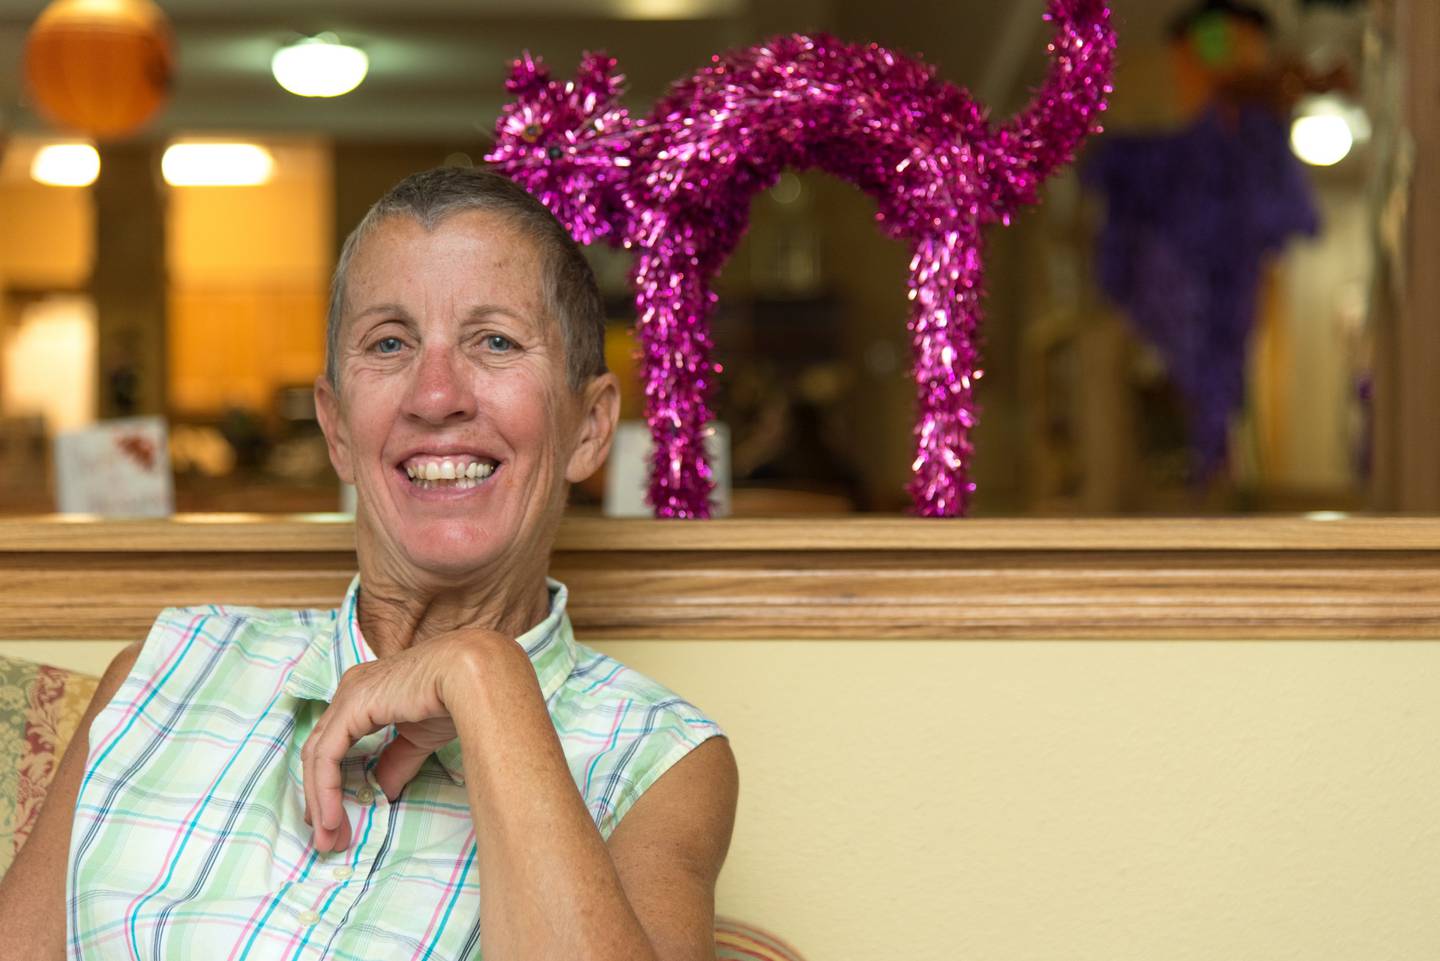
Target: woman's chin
x: 451, y: 546
x: 449, y: 533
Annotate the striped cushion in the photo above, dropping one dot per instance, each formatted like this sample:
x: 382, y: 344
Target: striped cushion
x: 737, y: 941
x: 40, y: 707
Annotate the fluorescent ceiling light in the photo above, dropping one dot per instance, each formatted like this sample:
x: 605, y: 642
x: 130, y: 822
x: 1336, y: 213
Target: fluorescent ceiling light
x: 65, y: 165
x: 319, y: 66
x: 216, y: 165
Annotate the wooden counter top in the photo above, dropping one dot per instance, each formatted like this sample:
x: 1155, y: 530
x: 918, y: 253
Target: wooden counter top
x: 816, y: 577
x: 322, y: 533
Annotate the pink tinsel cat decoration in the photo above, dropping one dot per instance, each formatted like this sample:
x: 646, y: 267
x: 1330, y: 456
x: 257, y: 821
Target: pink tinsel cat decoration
x: 676, y: 187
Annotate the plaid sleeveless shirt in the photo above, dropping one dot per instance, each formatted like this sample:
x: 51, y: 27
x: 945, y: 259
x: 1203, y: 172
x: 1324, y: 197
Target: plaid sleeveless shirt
x: 189, y: 839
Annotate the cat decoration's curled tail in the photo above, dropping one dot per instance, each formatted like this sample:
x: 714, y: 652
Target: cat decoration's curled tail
x: 676, y: 186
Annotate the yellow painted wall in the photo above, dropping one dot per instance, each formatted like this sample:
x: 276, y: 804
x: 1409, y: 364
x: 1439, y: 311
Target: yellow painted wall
x: 47, y: 348
x: 1039, y: 801
x: 233, y: 346
x: 49, y: 235
x: 277, y: 233
x: 249, y: 270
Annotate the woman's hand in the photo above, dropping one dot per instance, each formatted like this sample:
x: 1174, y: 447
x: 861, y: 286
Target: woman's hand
x: 408, y: 690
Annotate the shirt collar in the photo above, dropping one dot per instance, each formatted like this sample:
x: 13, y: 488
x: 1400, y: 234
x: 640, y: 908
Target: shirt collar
x: 337, y: 647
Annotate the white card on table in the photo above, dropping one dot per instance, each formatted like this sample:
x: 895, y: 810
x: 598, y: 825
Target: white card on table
x: 116, y: 468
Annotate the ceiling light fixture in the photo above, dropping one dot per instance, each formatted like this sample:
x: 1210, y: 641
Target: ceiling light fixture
x: 675, y: 9
x: 65, y: 165
x: 216, y: 165
x: 1326, y: 129
x: 1321, y: 141
x: 319, y: 66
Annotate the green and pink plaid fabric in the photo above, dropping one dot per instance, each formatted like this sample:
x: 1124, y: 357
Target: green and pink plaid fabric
x: 189, y: 839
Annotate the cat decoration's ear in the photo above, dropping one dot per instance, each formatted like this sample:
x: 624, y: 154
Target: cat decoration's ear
x: 528, y: 76
x: 597, y: 76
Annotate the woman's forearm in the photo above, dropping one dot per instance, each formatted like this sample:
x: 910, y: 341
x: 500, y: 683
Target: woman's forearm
x: 548, y: 888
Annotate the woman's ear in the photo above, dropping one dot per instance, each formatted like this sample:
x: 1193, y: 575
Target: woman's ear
x: 600, y: 401
x: 327, y: 411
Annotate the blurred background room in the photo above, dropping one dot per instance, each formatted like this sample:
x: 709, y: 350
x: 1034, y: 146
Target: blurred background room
x: 1188, y: 734
x: 1216, y: 309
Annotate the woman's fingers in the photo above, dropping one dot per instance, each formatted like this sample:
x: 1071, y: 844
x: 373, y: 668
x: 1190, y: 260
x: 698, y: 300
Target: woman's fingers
x: 341, y: 840
x: 327, y: 789
x: 342, y: 724
x: 307, y: 783
x: 371, y: 696
x: 399, y: 763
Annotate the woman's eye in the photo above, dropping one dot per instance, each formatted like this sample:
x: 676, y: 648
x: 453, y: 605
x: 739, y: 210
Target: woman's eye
x: 499, y: 343
x: 389, y: 345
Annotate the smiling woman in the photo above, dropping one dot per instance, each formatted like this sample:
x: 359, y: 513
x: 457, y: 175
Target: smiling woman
x: 446, y: 358
x: 297, y: 784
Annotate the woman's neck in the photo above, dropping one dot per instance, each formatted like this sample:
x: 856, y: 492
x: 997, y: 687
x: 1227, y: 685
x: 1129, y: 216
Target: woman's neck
x: 398, y: 611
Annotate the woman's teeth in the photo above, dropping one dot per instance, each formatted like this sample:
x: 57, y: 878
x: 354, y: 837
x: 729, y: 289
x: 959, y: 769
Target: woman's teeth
x: 460, y: 475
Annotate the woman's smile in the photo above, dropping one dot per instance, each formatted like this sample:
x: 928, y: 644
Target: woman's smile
x: 446, y: 477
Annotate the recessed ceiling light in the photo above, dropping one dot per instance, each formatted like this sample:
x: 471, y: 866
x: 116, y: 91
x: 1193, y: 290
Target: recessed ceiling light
x: 216, y: 165
x: 65, y: 165
x: 319, y: 66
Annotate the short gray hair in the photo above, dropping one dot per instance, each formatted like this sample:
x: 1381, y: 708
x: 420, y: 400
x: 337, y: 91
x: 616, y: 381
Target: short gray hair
x: 572, y: 297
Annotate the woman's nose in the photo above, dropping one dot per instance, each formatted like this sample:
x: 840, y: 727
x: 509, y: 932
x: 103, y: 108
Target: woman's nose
x: 441, y: 392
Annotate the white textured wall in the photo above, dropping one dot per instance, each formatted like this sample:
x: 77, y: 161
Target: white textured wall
x: 1039, y: 801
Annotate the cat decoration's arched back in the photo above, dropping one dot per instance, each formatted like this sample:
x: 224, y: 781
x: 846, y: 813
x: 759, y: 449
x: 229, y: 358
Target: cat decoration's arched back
x: 676, y: 186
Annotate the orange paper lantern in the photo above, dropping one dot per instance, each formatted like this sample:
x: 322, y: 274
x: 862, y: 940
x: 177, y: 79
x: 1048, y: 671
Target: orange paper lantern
x: 101, y: 67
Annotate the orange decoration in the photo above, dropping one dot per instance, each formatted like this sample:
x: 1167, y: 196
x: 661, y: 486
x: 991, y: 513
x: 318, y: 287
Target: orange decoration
x: 101, y: 67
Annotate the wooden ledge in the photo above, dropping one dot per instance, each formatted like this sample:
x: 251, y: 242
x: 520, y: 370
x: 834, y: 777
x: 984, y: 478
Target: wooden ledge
x: 324, y: 533
x: 864, y: 578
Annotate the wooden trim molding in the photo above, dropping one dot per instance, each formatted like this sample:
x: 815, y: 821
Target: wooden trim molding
x: 323, y: 533
x: 860, y: 578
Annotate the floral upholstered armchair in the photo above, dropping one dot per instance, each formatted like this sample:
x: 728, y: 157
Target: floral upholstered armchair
x: 40, y: 708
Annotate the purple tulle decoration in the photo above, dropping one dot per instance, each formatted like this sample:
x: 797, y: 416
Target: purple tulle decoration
x: 1192, y: 217
x: 676, y: 187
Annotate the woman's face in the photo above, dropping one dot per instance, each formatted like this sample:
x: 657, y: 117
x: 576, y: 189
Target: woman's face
x: 454, y: 419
